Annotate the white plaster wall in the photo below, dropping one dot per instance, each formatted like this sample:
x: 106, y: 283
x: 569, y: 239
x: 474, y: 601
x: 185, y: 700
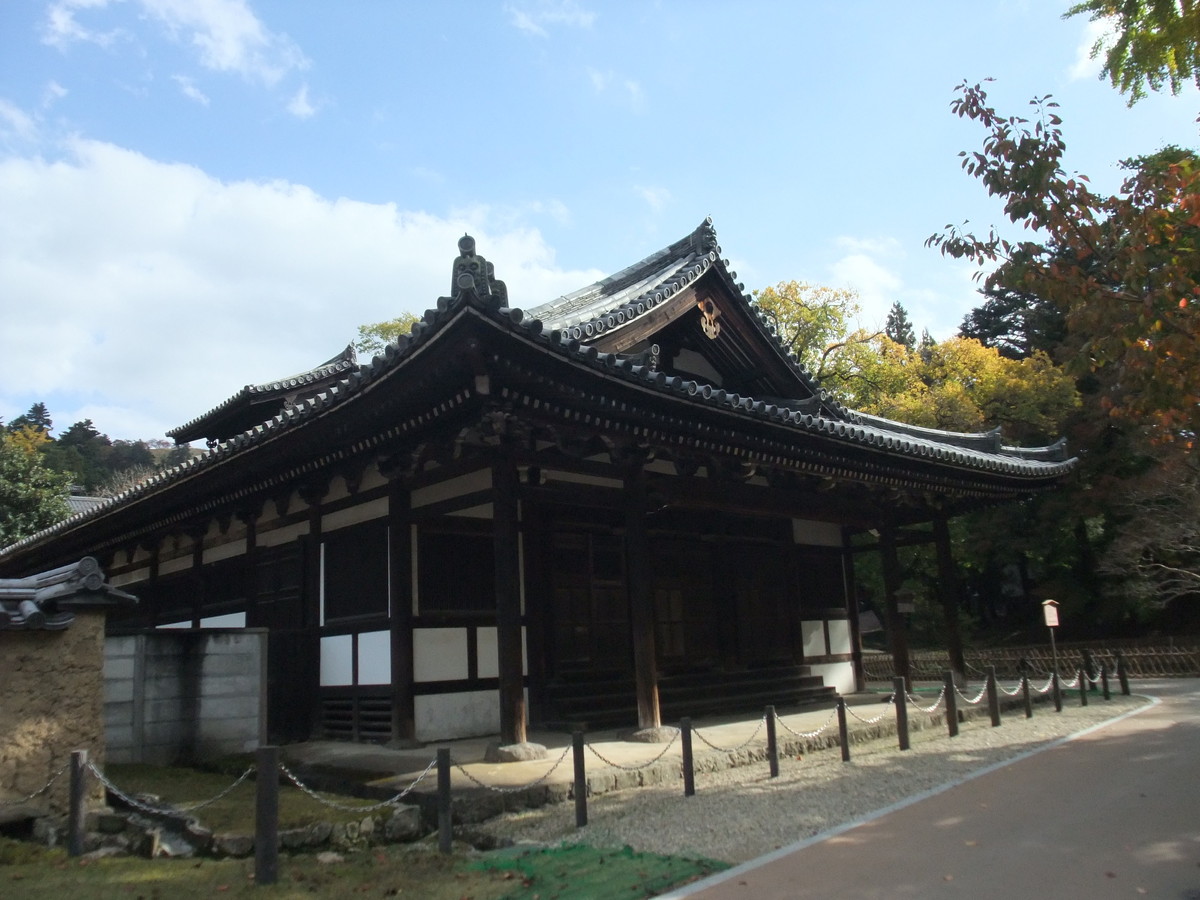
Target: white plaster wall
x: 184, y: 624
x: 353, y: 515
x: 225, y: 551
x: 488, y: 654
x: 278, y: 536
x: 820, y: 534
x: 452, y: 487
x: 374, y: 657
x: 813, y: 635
x: 337, y: 660
x: 483, y: 511
x: 579, y: 478
x: 839, y: 676
x: 439, y: 654
x: 447, y: 716
x: 839, y: 636
x: 229, y: 620
x: 171, y: 566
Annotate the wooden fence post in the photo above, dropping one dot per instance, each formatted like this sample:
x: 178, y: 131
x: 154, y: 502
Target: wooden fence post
x: 993, y: 696
x: 444, y: 810
x: 843, y: 730
x: 266, y: 815
x: 772, y: 743
x: 951, y: 702
x: 689, y: 766
x: 1025, y: 695
x: 900, y: 698
x: 1104, y: 681
x: 77, y: 816
x: 580, y: 779
x: 1057, y: 691
x: 1083, y: 686
x: 1122, y: 673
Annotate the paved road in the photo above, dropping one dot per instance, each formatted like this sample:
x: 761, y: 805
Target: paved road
x: 1114, y: 812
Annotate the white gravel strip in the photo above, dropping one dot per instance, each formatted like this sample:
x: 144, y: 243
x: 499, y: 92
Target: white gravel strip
x: 739, y: 814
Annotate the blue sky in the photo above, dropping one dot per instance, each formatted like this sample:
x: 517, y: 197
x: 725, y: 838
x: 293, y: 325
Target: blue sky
x: 200, y: 194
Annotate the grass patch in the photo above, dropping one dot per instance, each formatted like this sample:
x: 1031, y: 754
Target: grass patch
x: 235, y: 811
x: 416, y: 871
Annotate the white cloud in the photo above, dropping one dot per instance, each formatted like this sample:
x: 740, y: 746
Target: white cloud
x: 226, y: 34
x: 161, y: 290
x: 877, y: 285
x: 1085, y: 66
x: 300, y: 106
x: 52, y: 94
x: 188, y: 88
x: 535, y: 17
x: 629, y: 89
x: 656, y: 197
x: 16, y: 124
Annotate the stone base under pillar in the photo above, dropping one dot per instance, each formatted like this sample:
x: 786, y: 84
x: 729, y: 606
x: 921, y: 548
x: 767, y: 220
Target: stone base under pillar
x: 523, y: 752
x: 663, y: 734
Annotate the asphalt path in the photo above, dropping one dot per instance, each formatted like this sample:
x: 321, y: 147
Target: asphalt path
x: 1111, y: 812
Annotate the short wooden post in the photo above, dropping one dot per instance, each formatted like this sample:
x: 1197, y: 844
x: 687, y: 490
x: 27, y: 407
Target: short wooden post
x: 1025, y: 695
x: 772, y: 743
x: 993, y: 696
x: 1089, y: 663
x: 1122, y: 673
x: 580, y: 779
x: 1083, y: 686
x: 951, y: 702
x: 689, y: 769
x: 445, y: 829
x: 1104, y: 681
x: 1056, y: 690
x: 77, y: 816
x: 843, y: 730
x: 900, y: 697
x: 266, y: 815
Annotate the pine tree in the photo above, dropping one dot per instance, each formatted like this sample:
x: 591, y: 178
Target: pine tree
x: 899, y: 328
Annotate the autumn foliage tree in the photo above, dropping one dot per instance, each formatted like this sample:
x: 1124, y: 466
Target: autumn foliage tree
x: 1122, y: 267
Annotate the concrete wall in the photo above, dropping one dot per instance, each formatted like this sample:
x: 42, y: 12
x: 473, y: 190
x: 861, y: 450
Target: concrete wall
x: 51, y: 702
x: 182, y: 696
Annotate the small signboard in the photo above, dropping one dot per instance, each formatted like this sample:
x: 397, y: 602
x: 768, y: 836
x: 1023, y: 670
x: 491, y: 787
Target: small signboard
x: 1050, y: 612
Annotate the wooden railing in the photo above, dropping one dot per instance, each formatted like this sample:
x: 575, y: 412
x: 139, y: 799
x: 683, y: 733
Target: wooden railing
x: 1173, y: 660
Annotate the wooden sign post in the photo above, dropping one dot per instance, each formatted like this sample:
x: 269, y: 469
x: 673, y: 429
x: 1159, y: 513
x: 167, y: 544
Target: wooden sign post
x: 1050, y: 613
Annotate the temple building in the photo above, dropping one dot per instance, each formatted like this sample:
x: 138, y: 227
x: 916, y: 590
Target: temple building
x: 619, y: 507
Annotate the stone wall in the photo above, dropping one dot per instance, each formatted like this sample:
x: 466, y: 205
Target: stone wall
x: 51, y: 703
x: 184, y: 696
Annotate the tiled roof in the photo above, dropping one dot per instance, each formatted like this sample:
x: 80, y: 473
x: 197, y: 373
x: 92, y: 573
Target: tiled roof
x: 46, y: 602
x: 342, y: 363
x: 983, y: 453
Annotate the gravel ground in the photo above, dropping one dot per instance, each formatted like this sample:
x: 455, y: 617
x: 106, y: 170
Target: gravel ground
x: 738, y: 814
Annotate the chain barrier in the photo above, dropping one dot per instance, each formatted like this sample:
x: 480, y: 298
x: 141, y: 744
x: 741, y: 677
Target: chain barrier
x: 192, y: 807
x: 1074, y: 682
x: 518, y: 788
x: 617, y: 765
x: 45, y: 787
x: 927, y: 709
x: 978, y: 697
x: 806, y: 734
x: 1045, y: 688
x: 125, y: 798
x: 850, y: 709
x: 354, y: 807
x: 742, y: 746
x: 1011, y: 693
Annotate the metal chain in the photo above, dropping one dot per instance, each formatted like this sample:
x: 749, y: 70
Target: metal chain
x: 742, y: 746
x: 1013, y: 692
x: 125, y: 798
x: 348, y: 807
x: 518, y: 788
x: 978, y: 697
x: 617, y: 765
x: 1074, y: 682
x: 1046, y: 687
x: 806, y: 734
x: 192, y: 807
x: 45, y: 787
x: 927, y: 709
x: 850, y: 709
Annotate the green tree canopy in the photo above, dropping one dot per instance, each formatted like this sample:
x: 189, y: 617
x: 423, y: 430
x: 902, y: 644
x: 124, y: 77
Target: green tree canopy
x: 899, y: 328
x: 31, y: 496
x: 1152, y: 43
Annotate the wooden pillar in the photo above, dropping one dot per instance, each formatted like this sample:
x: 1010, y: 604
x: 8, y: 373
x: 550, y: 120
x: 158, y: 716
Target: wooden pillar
x: 535, y: 547
x: 400, y: 611
x: 948, y: 594
x: 641, y: 608
x: 892, y: 579
x: 505, y: 537
x: 250, y: 563
x: 310, y: 600
x: 197, y: 575
x: 851, y: 589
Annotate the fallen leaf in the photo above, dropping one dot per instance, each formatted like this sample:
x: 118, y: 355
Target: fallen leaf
x: 1110, y: 874
x: 947, y: 878
x: 971, y: 843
